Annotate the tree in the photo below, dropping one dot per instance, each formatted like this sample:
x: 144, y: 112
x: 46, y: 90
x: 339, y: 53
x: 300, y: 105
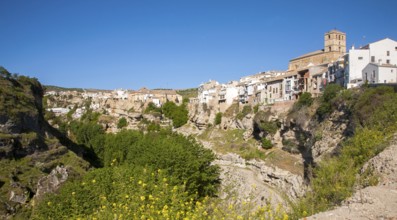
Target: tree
x: 178, y: 114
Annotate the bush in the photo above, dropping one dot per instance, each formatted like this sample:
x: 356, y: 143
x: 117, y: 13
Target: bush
x: 270, y: 127
x: 180, y: 156
x: 108, y: 191
x: 266, y: 144
x: 218, y: 118
x: 152, y: 108
x: 178, y: 114
x: 326, y: 106
x: 122, y: 123
x: 304, y: 100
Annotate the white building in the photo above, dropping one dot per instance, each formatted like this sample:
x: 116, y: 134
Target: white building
x: 228, y: 92
x: 380, y: 73
x: 275, y: 89
x: 120, y: 94
x: 207, y: 91
x: 290, y: 84
x: 379, y: 52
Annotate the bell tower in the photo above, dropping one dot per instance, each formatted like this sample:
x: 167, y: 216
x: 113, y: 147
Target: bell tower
x: 335, y: 41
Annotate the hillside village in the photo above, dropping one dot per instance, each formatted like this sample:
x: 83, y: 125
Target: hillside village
x: 375, y: 63
x: 264, y: 157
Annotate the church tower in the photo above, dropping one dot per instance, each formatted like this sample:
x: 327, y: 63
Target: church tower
x: 335, y: 41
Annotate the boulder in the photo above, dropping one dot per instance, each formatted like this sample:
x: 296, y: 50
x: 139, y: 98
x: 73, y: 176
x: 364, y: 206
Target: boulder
x: 52, y: 182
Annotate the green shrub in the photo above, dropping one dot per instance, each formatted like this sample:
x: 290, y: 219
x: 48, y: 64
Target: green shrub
x: 256, y: 108
x: 152, y: 108
x: 178, y: 114
x: 327, y: 106
x: 269, y: 127
x: 304, y: 100
x: 181, y: 156
x: 122, y: 123
x: 266, y: 144
x: 218, y: 118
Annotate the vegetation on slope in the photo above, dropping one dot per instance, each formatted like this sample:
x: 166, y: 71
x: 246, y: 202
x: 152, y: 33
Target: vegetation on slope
x: 19, y: 95
x: 188, y: 93
x: 178, y: 114
x: 28, y: 149
x: 374, y: 111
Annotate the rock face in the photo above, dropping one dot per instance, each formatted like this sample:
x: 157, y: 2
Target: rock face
x: 52, y: 182
x: 328, y: 135
x: 282, y: 180
x: 374, y: 202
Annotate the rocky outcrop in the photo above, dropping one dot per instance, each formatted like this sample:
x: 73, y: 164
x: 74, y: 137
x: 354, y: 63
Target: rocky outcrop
x: 282, y: 180
x: 52, y: 182
x: 329, y: 134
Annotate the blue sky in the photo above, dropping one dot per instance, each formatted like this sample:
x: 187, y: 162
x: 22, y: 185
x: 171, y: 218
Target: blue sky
x: 174, y: 44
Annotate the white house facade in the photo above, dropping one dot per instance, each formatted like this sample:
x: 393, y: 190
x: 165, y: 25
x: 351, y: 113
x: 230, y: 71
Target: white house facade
x: 380, y: 52
x: 380, y: 73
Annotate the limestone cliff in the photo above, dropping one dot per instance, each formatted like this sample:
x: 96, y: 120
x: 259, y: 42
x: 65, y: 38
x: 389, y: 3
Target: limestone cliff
x: 29, y: 147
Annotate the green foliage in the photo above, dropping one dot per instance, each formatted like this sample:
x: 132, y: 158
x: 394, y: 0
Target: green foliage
x: 256, y: 108
x: 218, y: 118
x: 152, y: 108
x: 330, y: 92
x: 266, y: 143
x: 20, y: 96
x: 178, y: 114
x: 180, y: 156
x: 326, y: 106
x: 152, y: 126
x: 141, y: 193
x: 113, y: 188
x: 374, y: 101
x: 304, y: 100
x: 269, y: 127
x: 89, y: 134
x: 122, y: 123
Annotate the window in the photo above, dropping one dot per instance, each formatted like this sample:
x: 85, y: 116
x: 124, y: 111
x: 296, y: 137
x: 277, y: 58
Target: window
x: 329, y: 37
x: 388, y: 61
x: 329, y: 48
x: 360, y: 58
x: 388, y: 53
x: 373, y: 59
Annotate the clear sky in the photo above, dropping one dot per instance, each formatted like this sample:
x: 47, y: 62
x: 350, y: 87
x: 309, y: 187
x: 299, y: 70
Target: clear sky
x: 175, y: 44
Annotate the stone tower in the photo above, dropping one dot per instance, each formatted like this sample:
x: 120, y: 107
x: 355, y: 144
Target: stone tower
x: 335, y: 41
